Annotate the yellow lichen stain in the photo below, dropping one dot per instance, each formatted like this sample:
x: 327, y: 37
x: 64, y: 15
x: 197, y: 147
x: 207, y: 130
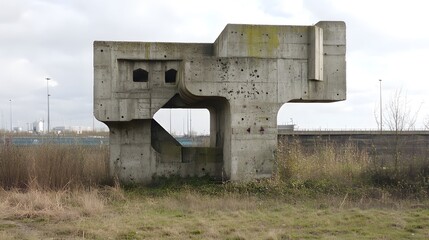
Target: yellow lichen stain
x: 147, y: 50
x: 262, y: 41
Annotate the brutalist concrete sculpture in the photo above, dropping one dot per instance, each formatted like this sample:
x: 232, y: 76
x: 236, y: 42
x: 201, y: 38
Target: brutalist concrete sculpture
x: 243, y: 79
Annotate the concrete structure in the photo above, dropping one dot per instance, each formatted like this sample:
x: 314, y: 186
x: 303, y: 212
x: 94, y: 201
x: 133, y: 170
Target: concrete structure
x: 243, y: 79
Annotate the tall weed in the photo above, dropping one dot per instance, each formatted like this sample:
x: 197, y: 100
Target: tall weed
x: 329, y: 166
x: 52, y: 166
x: 325, y: 161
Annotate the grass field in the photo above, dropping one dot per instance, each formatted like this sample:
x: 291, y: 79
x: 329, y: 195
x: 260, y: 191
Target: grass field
x: 186, y: 213
x: 334, y: 192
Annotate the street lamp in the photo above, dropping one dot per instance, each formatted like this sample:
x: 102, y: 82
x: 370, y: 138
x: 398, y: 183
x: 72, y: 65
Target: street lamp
x: 47, y: 91
x: 170, y: 120
x: 381, y: 110
x: 10, y: 114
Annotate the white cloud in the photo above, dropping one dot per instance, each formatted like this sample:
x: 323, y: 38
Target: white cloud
x: 43, y: 38
x: 402, y: 20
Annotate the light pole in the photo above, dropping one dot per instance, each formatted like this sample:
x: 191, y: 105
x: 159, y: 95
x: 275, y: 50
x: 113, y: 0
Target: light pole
x: 381, y: 110
x: 47, y: 91
x: 10, y: 114
x: 170, y: 120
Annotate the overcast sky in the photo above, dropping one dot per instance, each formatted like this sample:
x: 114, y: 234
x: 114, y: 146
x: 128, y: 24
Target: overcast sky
x: 386, y: 40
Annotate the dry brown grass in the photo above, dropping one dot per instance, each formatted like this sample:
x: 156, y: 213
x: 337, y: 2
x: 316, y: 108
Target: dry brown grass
x: 187, y: 214
x: 344, y: 164
x: 51, y: 194
x: 57, y: 205
x: 52, y: 166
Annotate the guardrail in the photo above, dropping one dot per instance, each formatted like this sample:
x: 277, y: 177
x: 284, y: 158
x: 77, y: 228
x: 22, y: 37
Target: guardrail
x: 36, y: 140
x: 351, y: 132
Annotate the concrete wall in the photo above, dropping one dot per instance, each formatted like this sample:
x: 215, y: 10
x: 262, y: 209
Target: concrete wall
x: 243, y: 79
x: 410, y: 145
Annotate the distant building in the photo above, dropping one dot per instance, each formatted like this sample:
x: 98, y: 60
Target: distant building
x: 38, y: 126
x: 17, y: 129
x: 59, y: 129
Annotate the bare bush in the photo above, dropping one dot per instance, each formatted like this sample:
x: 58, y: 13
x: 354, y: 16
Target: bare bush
x: 399, y: 114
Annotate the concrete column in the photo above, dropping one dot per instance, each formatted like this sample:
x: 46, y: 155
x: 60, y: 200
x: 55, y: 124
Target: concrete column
x: 131, y: 154
x: 253, y: 140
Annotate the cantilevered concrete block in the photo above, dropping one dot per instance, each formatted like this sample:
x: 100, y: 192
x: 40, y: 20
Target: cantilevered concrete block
x: 243, y: 79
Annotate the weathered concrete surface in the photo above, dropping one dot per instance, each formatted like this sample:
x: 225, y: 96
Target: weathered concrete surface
x: 243, y: 79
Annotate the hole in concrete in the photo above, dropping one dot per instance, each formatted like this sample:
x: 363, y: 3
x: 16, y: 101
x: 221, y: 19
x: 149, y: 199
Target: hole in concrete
x: 203, y: 169
x: 170, y: 76
x: 242, y: 119
x: 101, y: 50
x: 190, y: 127
x: 140, y: 75
x: 122, y: 116
x: 165, y: 56
x: 242, y: 70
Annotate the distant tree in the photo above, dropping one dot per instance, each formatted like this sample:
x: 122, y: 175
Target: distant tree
x: 399, y: 116
x: 426, y: 123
